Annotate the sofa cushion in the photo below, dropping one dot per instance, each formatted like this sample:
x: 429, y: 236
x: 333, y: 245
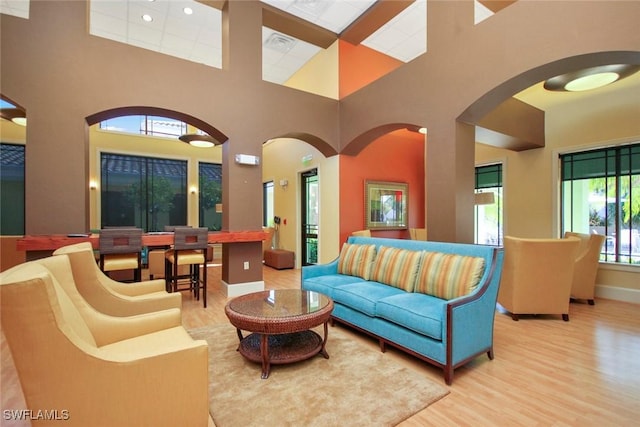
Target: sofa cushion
x: 396, y: 267
x: 419, y: 312
x: 448, y: 276
x: 356, y: 260
x: 327, y: 283
x: 363, y: 296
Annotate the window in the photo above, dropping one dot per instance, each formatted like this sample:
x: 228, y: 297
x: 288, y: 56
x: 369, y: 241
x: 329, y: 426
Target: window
x: 142, y: 191
x: 267, y: 204
x: 12, y: 189
x: 210, y: 197
x: 601, y: 194
x: 488, y: 208
x: 161, y: 127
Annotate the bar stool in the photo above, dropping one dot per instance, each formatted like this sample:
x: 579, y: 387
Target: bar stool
x: 121, y: 249
x: 189, y: 248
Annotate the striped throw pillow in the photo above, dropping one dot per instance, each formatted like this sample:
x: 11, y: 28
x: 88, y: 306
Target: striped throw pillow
x: 448, y: 276
x: 356, y: 260
x: 396, y: 267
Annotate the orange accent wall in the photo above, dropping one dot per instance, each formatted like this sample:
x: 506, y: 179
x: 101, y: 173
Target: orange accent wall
x: 398, y: 157
x: 358, y: 66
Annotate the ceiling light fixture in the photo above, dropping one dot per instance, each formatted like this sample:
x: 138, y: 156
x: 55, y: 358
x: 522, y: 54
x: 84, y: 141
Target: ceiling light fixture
x: 14, y: 115
x: 187, y: 11
x: 590, y: 78
x: 199, y: 140
x: 147, y: 18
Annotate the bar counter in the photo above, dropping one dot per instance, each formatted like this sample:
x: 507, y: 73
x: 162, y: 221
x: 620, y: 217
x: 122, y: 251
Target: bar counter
x: 51, y: 242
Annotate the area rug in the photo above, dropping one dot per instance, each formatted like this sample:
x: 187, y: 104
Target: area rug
x: 356, y: 386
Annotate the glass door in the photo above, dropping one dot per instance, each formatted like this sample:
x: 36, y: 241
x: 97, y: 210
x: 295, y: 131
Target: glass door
x: 309, y: 212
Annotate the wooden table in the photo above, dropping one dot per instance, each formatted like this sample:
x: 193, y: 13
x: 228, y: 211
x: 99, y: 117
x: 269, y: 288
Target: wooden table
x: 280, y: 321
x: 51, y: 242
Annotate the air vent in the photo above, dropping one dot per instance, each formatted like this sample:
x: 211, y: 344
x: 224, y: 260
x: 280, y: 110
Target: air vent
x: 279, y: 42
x: 313, y: 7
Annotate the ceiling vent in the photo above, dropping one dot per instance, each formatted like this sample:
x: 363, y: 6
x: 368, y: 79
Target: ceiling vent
x: 279, y: 42
x: 313, y: 7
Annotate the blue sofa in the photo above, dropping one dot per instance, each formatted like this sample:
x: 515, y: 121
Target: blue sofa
x: 446, y: 332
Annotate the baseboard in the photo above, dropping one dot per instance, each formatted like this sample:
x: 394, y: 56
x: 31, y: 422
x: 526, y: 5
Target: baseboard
x: 238, y: 289
x: 618, y: 294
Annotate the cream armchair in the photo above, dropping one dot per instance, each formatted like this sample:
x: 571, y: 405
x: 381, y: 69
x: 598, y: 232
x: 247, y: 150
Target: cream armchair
x: 418, y: 233
x: 111, y: 297
x: 95, y: 369
x: 537, y: 276
x: 586, y: 265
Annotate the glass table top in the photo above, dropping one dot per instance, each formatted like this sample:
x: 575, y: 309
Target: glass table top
x: 278, y: 303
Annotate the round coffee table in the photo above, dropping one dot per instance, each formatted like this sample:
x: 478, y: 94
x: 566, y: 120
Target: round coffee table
x: 280, y: 321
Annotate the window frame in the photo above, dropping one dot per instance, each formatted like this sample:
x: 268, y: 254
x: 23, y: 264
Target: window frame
x: 609, y: 155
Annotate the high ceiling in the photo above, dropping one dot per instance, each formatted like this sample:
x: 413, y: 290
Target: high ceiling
x: 293, y: 32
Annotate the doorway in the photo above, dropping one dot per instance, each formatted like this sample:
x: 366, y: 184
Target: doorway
x: 309, y: 213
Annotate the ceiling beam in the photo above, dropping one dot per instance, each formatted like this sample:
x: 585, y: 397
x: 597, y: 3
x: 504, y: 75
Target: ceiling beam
x: 496, y: 5
x: 514, y: 125
x: 375, y: 17
x: 217, y: 4
x: 296, y: 27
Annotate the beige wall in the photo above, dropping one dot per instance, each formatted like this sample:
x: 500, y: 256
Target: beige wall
x: 12, y: 133
x: 283, y: 161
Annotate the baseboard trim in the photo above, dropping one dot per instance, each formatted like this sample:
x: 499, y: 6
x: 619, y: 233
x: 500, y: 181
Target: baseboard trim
x: 237, y: 289
x: 618, y: 294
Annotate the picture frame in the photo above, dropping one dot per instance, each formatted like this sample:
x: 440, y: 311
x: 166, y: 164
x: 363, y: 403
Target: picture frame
x: 386, y: 205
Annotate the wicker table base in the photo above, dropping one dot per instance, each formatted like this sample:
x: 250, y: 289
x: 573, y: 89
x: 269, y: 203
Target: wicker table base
x: 280, y: 323
x: 282, y: 348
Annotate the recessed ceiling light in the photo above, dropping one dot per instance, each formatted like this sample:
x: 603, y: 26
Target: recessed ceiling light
x: 187, y: 11
x: 592, y: 81
x: 590, y: 78
x: 147, y: 18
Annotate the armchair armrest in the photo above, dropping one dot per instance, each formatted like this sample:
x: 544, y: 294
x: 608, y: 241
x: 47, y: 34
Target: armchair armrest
x: 168, y: 376
x: 109, y: 329
x: 136, y: 288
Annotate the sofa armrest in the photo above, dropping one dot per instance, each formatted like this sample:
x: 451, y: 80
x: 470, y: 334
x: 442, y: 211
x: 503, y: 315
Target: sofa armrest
x: 470, y: 318
x: 310, y: 271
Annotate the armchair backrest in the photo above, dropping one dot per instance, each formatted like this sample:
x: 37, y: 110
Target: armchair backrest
x: 77, y: 247
x: 268, y: 242
x: 537, y: 275
x: 191, y: 238
x: 586, y: 264
x: 32, y: 290
x: 120, y: 240
x: 418, y: 233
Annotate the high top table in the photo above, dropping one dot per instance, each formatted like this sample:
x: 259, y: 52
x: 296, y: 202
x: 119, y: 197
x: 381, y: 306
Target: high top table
x: 38, y: 246
x: 280, y: 321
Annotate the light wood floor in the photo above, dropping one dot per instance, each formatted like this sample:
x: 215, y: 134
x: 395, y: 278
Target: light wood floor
x: 546, y: 372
